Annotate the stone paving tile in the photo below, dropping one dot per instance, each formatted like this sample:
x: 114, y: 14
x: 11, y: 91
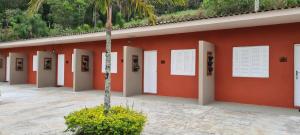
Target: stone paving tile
x: 26, y: 110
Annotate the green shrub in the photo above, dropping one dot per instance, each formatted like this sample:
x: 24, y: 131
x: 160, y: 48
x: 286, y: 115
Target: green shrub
x: 92, y: 121
x: 120, y: 20
x: 274, y: 4
x: 225, y: 7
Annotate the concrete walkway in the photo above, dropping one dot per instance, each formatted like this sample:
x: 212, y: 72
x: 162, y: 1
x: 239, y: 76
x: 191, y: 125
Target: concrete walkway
x: 26, y: 110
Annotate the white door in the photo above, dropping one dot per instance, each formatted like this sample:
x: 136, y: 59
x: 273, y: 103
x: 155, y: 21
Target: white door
x: 34, y: 63
x: 297, y: 76
x: 61, y: 70
x: 73, y: 62
x: 7, y: 69
x: 150, y: 72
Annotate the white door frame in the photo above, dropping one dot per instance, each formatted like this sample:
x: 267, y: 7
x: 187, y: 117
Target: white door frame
x: 7, y: 69
x: 60, y: 69
x: 152, y: 79
x: 296, y: 76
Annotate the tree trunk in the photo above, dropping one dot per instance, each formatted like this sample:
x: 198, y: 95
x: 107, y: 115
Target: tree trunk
x: 108, y: 61
x: 256, y: 5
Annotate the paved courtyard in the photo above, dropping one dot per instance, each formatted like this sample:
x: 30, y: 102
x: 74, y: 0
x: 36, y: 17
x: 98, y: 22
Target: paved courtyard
x: 26, y: 110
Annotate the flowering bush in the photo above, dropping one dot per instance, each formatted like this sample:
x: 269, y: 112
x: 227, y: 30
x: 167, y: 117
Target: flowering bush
x: 92, y: 121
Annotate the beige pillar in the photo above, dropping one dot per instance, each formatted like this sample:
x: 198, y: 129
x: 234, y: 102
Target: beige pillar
x: 132, y: 72
x: 46, y: 70
x: 206, y: 80
x: 2, y: 68
x: 18, y: 68
x: 83, y: 70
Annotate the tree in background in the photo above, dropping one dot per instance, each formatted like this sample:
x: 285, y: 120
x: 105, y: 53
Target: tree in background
x: 68, y: 13
x: 6, y: 33
x: 29, y: 26
x: 13, y: 4
x: 17, y: 25
x: 140, y: 7
x: 274, y: 4
x: 225, y: 7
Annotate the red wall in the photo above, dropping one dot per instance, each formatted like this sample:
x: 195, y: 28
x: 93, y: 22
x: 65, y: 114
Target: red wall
x: 30, y: 51
x: 278, y: 89
x: 274, y: 91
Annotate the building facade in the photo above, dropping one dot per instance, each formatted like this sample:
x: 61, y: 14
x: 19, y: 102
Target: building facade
x: 176, y: 62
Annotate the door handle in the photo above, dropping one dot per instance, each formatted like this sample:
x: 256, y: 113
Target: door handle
x: 297, y: 74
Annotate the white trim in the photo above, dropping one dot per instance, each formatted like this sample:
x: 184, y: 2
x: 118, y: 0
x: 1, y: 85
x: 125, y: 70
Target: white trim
x: 34, y: 63
x: 296, y: 100
x: 238, y: 21
x: 7, y: 69
x: 73, y: 62
x: 61, y: 70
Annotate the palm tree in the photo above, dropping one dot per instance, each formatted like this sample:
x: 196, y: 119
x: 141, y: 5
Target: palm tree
x: 141, y: 7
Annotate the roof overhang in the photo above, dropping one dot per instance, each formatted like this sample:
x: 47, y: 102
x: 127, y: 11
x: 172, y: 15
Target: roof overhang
x: 237, y: 21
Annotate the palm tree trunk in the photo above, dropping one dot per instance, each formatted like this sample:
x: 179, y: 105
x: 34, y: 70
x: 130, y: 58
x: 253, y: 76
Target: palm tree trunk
x: 108, y: 61
x: 256, y: 5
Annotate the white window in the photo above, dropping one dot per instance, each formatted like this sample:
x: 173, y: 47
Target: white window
x: 114, y: 62
x: 183, y: 62
x: 34, y: 63
x: 251, y: 61
x: 73, y: 63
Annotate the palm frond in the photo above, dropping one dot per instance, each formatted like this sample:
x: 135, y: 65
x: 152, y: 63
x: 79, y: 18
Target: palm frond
x: 34, y: 6
x: 144, y: 8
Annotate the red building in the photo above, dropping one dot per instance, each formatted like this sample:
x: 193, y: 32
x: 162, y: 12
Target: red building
x: 255, y: 58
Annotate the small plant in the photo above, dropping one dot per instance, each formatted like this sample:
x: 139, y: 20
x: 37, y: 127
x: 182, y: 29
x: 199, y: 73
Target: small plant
x: 92, y: 121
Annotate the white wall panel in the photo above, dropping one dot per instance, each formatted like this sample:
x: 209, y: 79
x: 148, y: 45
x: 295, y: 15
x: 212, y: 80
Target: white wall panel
x: 34, y: 63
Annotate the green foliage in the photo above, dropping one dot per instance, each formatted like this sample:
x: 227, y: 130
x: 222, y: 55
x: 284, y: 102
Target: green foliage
x: 13, y: 4
x: 22, y: 26
x: 92, y: 121
x: 7, y: 34
x: 167, y: 7
x: 30, y: 27
x: 56, y: 30
x: 224, y: 7
x: 68, y: 13
x: 120, y: 20
x: 84, y: 27
x: 181, y: 15
x: 100, y: 24
x: 293, y: 2
x: 274, y: 4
